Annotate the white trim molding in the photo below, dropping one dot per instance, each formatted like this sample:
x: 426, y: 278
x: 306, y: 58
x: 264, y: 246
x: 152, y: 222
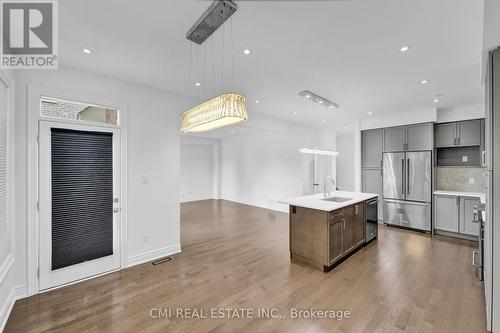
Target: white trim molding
x: 15, y: 294
x: 6, y: 266
x: 152, y: 255
x: 34, y: 94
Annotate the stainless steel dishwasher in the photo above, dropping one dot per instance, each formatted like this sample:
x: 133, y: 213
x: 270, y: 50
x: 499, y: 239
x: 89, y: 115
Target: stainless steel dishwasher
x: 371, y: 226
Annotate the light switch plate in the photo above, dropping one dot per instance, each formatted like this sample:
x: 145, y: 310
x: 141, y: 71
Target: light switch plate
x: 471, y: 180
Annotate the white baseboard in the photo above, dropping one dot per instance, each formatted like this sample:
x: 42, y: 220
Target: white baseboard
x: 6, y: 266
x: 152, y: 255
x: 15, y: 294
x: 208, y: 197
x: 276, y: 209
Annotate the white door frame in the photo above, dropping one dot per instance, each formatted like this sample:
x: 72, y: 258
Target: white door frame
x: 33, y: 105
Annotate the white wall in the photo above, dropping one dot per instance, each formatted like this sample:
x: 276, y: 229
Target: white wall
x: 345, y: 162
x: 197, y: 172
x: 461, y: 113
x: 399, y: 118
x: 261, y: 163
x: 153, y: 152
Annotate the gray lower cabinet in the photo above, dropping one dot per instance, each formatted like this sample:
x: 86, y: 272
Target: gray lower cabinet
x: 372, y: 148
x: 419, y: 137
x: 446, y: 213
x: 455, y: 214
x: 372, y: 181
x: 394, y: 139
x: 466, y: 216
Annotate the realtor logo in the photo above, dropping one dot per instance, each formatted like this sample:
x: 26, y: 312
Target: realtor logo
x: 29, y: 34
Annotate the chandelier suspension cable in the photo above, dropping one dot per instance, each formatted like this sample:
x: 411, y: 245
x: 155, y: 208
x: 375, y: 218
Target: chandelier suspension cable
x: 232, y: 54
x: 190, y: 70
x: 213, y: 67
x: 204, y: 81
x: 223, y: 52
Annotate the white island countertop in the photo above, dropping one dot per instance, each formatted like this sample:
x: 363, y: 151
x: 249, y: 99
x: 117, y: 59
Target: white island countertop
x: 479, y: 195
x: 315, y: 201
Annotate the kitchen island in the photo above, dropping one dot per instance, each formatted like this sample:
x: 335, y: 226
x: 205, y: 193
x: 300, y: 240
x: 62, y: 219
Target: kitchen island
x: 325, y: 230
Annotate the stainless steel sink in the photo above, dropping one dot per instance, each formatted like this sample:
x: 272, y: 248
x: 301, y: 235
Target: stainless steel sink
x: 337, y: 199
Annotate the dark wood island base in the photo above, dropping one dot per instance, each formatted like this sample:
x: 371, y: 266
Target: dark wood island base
x: 325, y: 239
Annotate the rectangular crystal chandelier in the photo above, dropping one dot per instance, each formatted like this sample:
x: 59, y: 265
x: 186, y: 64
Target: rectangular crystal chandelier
x: 226, y: 109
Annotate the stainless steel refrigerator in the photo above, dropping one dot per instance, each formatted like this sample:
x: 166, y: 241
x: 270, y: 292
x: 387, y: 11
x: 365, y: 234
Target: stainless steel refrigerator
x: 407, y: 186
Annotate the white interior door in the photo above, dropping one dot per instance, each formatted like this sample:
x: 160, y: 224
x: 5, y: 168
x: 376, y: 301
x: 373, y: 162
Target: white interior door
x: 79, y: 202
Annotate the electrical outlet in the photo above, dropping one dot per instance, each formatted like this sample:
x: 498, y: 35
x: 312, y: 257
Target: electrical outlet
x: 465, y: 158
x: 145, y: 238
x: 471, y: 180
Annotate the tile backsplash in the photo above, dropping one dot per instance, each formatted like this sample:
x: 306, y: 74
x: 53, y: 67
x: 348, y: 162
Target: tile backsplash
x: 460, y: 179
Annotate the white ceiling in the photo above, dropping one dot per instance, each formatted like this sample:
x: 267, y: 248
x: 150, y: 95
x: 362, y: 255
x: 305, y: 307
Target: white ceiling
x: 345, y: 51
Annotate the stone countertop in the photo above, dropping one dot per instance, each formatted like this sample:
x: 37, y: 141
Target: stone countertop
x: 479, y: 195
x: 315, y: 201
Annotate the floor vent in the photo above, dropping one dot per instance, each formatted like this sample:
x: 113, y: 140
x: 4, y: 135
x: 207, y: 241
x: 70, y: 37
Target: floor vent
x: 161, y: 261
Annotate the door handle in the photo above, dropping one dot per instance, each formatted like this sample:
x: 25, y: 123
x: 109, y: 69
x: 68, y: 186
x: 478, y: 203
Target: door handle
x: 408, y: 176
x: 474, y: 256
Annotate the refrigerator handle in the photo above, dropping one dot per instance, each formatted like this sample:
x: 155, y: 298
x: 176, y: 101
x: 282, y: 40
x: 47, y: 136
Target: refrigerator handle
x: 408, y: 176
x: 403, y: 175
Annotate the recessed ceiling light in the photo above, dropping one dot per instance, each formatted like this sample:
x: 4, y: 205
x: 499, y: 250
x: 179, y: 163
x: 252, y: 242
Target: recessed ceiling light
x: 246, y: 51
x: 436, y: 100
x: 295, y: 113
x: 232, y: 132
x: 308, y: 96
x: 197, y: 84
x: 424, y: 81
x: 323, y: 121
x: 405, y: 48
x: 86, y: 50
x: 320, y: 102
x: 257, y: 102
x: 331, y: 106
x: 369, y: 112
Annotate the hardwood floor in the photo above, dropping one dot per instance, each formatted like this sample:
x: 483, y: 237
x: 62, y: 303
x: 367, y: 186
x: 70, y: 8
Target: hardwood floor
x: 236, y: 256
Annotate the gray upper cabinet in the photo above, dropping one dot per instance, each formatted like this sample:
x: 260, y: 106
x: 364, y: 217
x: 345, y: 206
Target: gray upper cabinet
x: 469, y: 133
x: 372, y: 149
x: 459, y: 134
x: 446, y: 135
x: 410, y: 138
x: 394, y: 139
x: 419, y: 137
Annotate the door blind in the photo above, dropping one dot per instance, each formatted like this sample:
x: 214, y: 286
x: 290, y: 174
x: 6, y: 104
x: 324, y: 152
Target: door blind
x: 82, y: 196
